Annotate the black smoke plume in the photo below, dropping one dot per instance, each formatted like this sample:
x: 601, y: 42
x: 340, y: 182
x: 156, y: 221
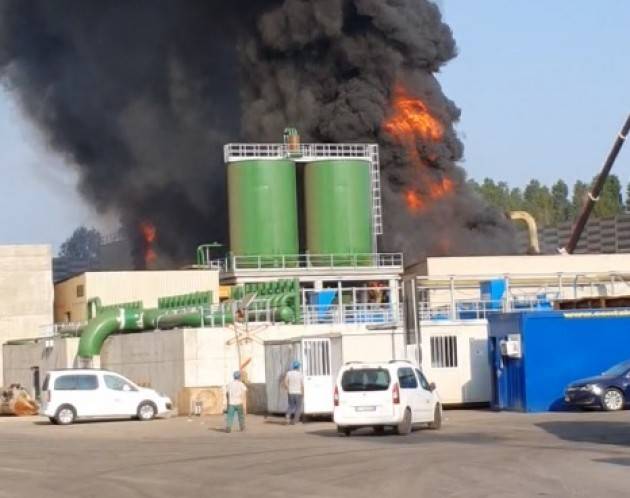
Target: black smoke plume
x: 141, y: 95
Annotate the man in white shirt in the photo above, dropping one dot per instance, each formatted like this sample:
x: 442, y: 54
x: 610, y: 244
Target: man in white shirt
x: 236, y: 392
x: 294, y: 384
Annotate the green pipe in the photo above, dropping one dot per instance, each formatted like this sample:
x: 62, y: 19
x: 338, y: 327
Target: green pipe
x: 102, y: 326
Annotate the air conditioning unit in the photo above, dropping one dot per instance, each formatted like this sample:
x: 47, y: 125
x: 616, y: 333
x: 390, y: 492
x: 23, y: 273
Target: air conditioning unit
x: 511, y: 347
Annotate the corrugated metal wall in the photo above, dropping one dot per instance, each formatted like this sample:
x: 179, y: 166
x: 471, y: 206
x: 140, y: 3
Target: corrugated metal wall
x: 609, y: 235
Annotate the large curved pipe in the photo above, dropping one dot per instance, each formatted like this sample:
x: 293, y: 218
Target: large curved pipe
x: 102, y: 326
x: 111, y: 321
x: 532, y: 229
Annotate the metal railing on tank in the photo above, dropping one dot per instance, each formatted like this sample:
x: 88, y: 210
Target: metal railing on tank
x: 351, y: 314
x: 242, y: 151
x: 318, y: 261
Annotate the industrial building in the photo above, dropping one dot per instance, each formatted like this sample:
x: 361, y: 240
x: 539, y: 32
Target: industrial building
x: 303, y: 280
x: 26, y: 292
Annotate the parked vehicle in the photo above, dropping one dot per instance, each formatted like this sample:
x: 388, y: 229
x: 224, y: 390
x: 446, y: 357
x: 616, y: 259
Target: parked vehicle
x: 380, y: 395
x: 610, y: 390
x: 68, y: 395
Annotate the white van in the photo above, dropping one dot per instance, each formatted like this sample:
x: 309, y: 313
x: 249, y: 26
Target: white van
x: 73, y: 394
x: 379, y: 395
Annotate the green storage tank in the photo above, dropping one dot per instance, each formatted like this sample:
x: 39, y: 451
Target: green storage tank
x: 263, y: 208
x: 338, y: 203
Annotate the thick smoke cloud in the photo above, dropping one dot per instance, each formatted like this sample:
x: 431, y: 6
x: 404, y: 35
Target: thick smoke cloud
x: 141, y: 95
x: 330, y: 67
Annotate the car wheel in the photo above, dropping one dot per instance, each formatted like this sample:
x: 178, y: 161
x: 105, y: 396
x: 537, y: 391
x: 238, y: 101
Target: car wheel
x: 404, y: 427
x: 52, y: 420
x: 378, y: 429
x: 437, y: 418
x: 346, y: 431
x: 66, y: 415
x: 146, y: 411
x: 612, y: 400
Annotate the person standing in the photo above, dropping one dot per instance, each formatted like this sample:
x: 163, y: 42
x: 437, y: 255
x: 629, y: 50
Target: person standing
x: 294, y: 384
x: 236, y: 392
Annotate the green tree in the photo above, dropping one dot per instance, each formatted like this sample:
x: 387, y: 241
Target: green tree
x: 517, y: 203
x: 580, y: 193
x: 538, y: 202
x: 496, y: 194
x: 560, y: 202
x: 84, y: 243
x: 628, y: 197
x: 609, y: 203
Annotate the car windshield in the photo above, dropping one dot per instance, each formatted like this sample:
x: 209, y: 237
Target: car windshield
x: 618, y: 369
x: 365, y: 379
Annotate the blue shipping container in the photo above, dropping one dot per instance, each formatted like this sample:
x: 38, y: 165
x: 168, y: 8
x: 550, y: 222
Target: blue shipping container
x: 557, y: 347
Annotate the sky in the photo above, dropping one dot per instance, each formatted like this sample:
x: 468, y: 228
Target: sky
x: 543, y: 89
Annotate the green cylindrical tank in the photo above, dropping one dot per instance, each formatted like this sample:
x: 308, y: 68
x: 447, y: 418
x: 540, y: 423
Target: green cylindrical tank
x: 263, y: 209
x: 338, y: 202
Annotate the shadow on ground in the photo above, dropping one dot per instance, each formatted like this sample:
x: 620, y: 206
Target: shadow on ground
x: 418, y: 436
x: 616, y: 433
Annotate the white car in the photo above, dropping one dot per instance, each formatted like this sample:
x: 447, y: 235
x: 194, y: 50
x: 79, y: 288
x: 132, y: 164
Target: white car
x: 379, y: 395
x: 68, y: 395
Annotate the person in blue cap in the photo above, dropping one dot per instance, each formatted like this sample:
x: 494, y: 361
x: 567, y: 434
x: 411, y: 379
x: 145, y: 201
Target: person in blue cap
x: 236, y: 392
x: 294, y: 384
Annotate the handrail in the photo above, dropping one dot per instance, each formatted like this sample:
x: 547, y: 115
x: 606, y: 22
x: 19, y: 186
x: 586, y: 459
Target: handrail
x: 319, y: 261
x: 352, y: 313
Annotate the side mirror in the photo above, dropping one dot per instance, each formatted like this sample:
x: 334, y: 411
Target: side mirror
x: 126, y: 388
x: 432, y: 386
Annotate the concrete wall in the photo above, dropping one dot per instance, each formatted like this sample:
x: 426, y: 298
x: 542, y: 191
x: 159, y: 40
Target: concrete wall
x: 122, y: 287
x: 26, y: 292
x: 169, y: 361
x: 150, y: 359
x: 46, y: 354
x: 206, y: 357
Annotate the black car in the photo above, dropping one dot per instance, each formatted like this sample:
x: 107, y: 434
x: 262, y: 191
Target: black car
x: 610, y: 390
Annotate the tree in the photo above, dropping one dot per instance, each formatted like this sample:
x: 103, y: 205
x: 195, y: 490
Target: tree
x: 517, y: 203
x: 580, y: 192
x: 609, y: 203
x: 538, y: 202
x: 496, y: 194
x: 84, y: 244
x: 560, y: 202
x: 628, y: 197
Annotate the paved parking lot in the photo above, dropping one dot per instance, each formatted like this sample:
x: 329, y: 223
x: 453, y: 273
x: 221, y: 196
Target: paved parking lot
x: 476, y: 454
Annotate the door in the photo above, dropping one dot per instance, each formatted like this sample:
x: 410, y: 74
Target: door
x: 410, y: 393
x: 120, y: 396
x: 427, y: 398
x: 80, y: 391
x: 318, y: 381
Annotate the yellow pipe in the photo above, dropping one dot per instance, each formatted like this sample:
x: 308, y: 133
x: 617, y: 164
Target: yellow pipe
x: 529, y: 220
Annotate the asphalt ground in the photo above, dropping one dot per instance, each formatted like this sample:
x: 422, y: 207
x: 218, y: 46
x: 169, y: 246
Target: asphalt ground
x: 475, y: 454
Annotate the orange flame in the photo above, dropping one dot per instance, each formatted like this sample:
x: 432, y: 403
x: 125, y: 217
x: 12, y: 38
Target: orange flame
x: 149, y: 234
x: 411, y: 118
x: 437, y: 190
x: 411, y: 122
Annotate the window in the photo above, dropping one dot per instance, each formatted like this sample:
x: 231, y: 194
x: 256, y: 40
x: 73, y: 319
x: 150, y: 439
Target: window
x: 76, y: 383
x: 118, y: 383
x: 317, y: 358
x: 80, y: 290
x: 423, y: 380
x: 444, y: 351
x: 407, y: 379
x: 365, y: 379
